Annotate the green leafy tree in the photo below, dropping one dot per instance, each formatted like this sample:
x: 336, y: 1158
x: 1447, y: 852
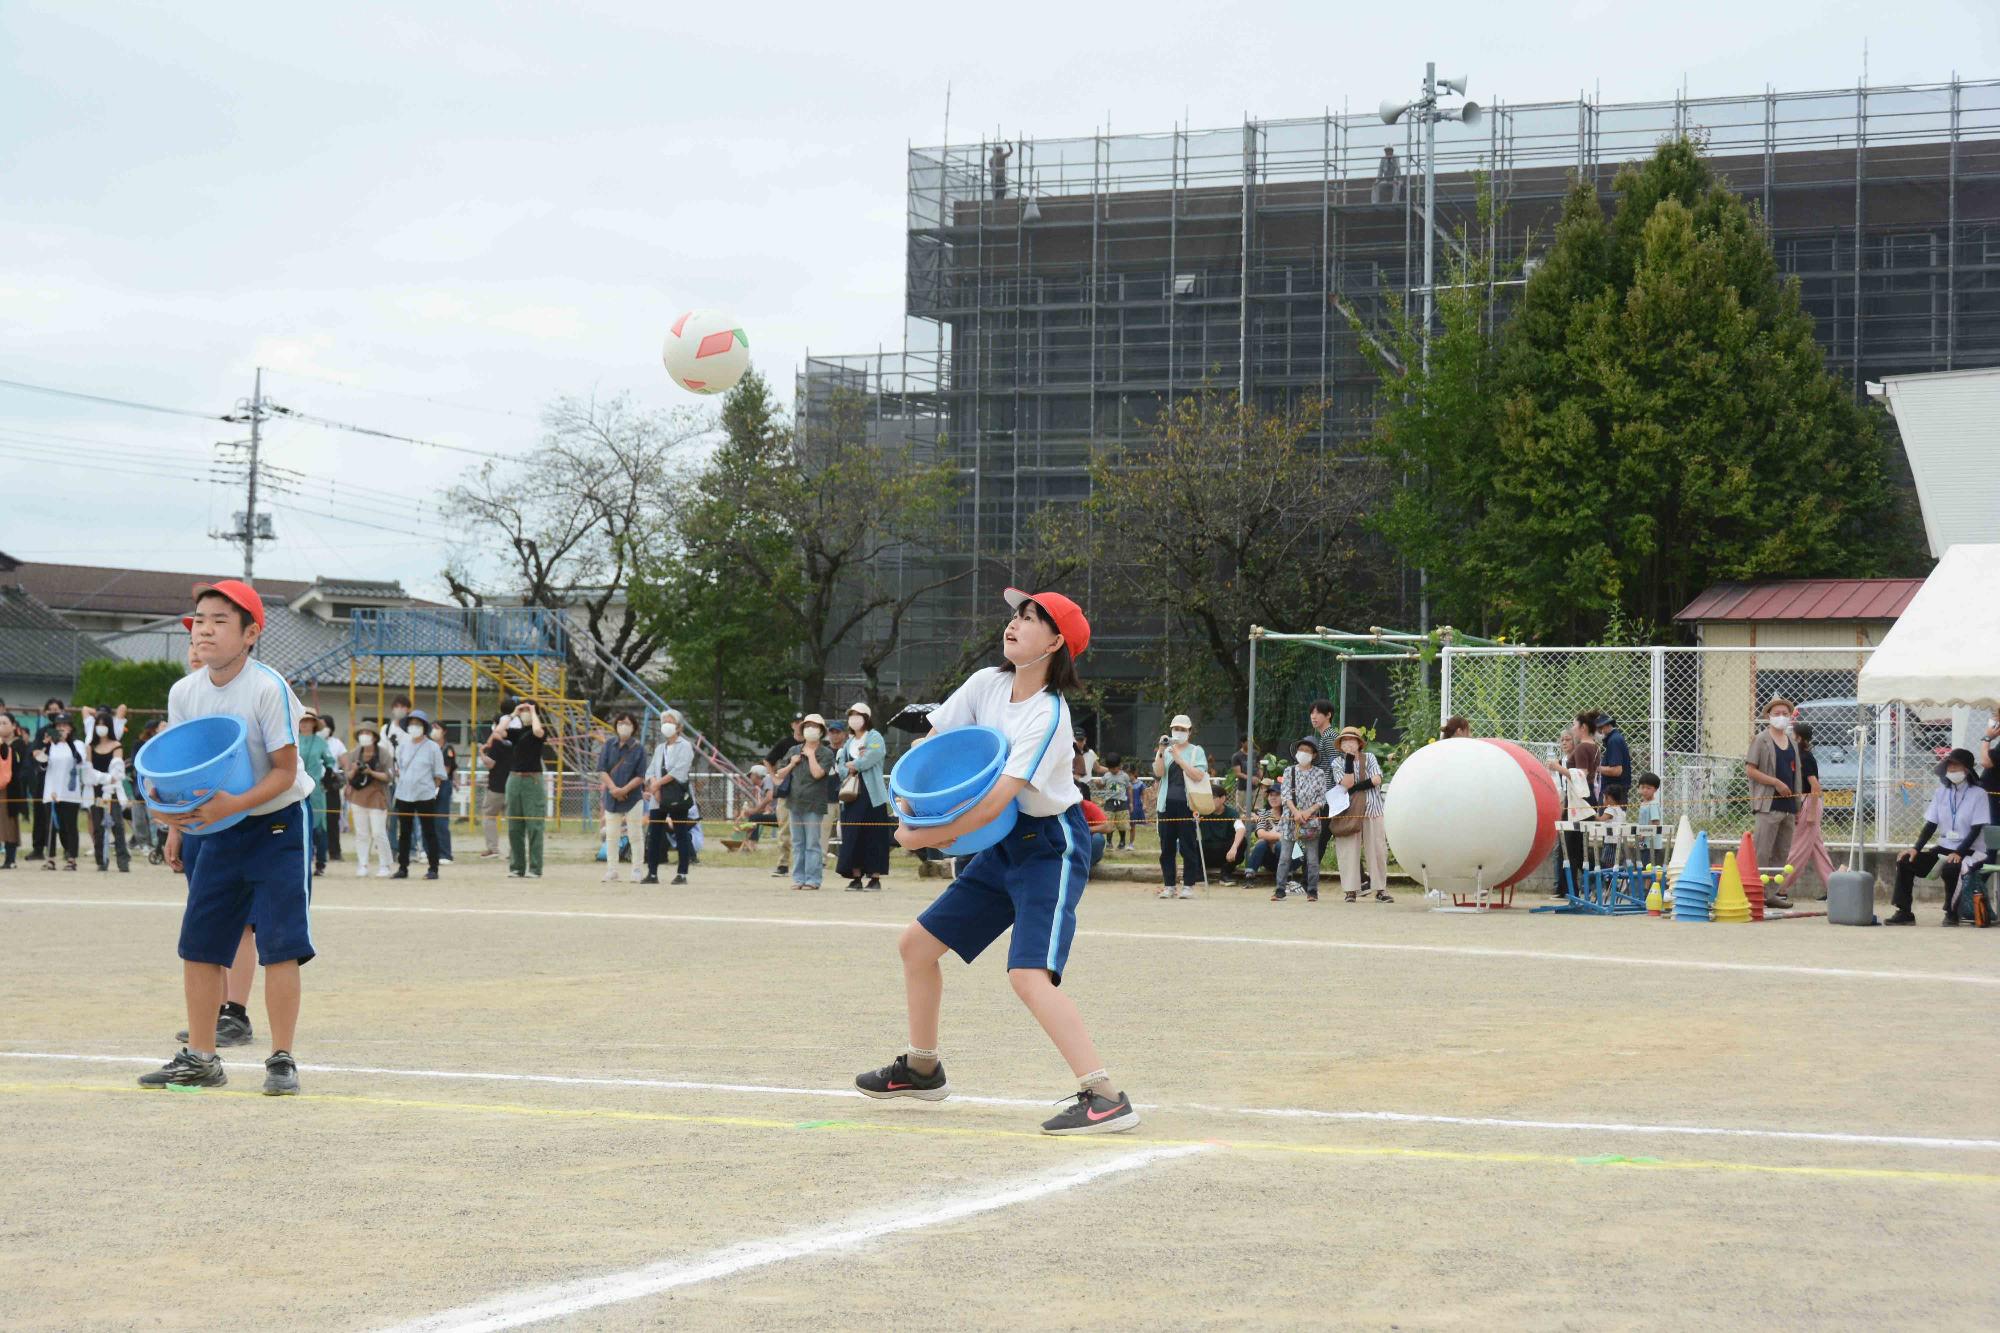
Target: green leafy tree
x: 715, y: 623
x: 140, y: 686
x: 1222, y: 516
x: 1655, y: 416
x: 802, y: 527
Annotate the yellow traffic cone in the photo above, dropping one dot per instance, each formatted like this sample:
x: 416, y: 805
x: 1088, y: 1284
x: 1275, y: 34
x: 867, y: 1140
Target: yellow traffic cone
x: 1655, y: 901
x: 1731, y: 903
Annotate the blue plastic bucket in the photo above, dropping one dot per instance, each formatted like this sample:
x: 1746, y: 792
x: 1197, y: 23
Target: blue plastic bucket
x: 948, y: 775
x: 182, y: 766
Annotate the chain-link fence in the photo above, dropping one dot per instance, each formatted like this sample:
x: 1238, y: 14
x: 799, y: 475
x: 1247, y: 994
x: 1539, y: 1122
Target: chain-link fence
x: 1689, y: 715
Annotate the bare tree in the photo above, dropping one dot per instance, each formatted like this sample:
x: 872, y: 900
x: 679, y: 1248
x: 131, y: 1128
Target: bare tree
x: 569, y: 521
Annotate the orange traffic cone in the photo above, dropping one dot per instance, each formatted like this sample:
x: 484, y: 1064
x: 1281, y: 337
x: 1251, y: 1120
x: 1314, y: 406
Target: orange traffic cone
x: 1751, y: 877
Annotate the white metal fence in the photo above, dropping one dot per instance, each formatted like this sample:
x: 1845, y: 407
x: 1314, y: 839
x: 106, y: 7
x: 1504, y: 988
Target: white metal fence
x: 1689, y: 715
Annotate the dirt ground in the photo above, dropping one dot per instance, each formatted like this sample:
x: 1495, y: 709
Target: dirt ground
x: 1318, y: 1060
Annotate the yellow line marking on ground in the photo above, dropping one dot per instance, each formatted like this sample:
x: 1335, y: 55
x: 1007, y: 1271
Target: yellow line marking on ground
x: 971, y: 1132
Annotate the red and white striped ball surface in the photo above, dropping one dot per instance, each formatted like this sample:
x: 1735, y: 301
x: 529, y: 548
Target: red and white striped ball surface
x: 1466, y: 812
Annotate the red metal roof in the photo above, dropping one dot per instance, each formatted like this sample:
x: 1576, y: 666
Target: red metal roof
x: 1804, y: 599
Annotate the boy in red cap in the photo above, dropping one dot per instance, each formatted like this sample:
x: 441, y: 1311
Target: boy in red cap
x: 257, y: 871
x: 1029, y: 881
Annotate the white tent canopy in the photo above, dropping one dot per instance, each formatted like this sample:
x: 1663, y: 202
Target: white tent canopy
x: 1945, y: 647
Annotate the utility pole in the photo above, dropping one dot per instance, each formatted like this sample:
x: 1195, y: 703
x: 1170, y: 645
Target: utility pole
x: 251, y: 528
x: 1430, y: 112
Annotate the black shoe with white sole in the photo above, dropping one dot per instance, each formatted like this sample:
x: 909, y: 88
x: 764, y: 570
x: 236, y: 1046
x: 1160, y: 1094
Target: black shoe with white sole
x: 230, y: 1030
x: 281, y: 1075
x: 1088, y: 1113
x: 897, y: 1079
x: 187, y: 1070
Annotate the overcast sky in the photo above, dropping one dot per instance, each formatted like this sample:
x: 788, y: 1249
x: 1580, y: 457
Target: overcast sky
x: 484, y: 205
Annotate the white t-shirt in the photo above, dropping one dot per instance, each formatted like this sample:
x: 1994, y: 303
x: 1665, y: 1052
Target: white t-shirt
x: 986, y: 700
x: 268, y: 708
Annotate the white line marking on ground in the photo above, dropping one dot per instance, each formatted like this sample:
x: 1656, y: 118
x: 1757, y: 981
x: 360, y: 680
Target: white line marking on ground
x: 1451, y: 950
x: 563, y: 1299
x: 1268, y: 1112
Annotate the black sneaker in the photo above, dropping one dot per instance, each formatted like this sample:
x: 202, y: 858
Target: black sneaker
x: 1949, y: 920
x: 230, y: 1030
x: 650, y: 879
x: 874, y: 884
x: 897, y: 1079
x: 402, y: 872
x: 679, y: 879
x: 1088, y: 1113
x: 854, y: 886
x: 781, y: 872
x: 1902, y: 918
x: 431, y: 873
x: 187, y: 1070
x: 281, y: 1075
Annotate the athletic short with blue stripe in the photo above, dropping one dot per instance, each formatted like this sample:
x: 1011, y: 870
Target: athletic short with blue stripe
x: 1030, y: 880
x: 257, y: 871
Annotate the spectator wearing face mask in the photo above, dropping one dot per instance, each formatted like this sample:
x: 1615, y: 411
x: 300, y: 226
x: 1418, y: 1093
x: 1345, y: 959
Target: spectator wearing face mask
x: 621, y: 769
x: 395, y: 734
x: 668, y: 788
x: 419, y: 774
x: 1772, y: 765
x: 809, y: 766
x: 527, y: 800
x: 44, y: 831
x: 499, y: 746
x: 867, y: 829
x: 781, y: 789
x: 64, y: 787
x: 1957, y: 816
x: 107, y: 806
x: 367, y: 771
x: 145, y: 833
x: 1178, y: 761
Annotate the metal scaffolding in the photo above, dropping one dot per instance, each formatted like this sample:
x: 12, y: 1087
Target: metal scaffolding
x: 1052, y: 311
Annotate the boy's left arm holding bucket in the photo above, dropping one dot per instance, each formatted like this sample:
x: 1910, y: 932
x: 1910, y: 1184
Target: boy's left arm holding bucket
x: 266, y: 723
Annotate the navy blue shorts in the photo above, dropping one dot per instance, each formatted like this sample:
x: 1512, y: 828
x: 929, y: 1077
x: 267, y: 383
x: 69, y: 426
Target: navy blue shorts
x: 257, y: 873
x: 1030, y: 880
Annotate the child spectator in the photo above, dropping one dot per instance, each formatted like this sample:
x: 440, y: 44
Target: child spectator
x: 1650, y: 813
x: 1116, y: 787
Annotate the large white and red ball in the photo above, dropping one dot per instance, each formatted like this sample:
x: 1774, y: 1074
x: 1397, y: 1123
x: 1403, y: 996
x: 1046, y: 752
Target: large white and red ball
x: 1469, y: 812
x: 706, y: 352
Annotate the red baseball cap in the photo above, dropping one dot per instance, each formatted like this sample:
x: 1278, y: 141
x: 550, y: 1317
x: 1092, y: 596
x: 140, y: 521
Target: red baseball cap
x: 1067, y: 615
x: 238, y: 592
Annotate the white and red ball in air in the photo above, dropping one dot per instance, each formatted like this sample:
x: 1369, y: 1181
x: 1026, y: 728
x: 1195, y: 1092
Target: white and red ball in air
x: 1466, y: 812
x: 706, y: 352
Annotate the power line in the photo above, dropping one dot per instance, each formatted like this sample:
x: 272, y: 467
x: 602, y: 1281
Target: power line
x: 385, y: 435
x: 111, y: 402
x: 413, y: 397
x: 342, y: 518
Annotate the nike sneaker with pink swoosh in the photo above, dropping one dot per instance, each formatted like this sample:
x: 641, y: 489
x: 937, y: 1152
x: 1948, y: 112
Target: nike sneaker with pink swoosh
x: 1088, y: 1113
x: 897, y: 1079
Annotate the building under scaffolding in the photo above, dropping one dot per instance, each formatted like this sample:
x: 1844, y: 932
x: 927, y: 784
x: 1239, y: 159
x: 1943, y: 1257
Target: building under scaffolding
x: 1052, y: 308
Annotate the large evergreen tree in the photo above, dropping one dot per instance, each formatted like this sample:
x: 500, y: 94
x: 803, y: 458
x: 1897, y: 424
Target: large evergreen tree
x: 1654, y: 416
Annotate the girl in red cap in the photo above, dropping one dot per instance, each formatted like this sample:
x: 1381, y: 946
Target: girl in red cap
x: 1029, y: 881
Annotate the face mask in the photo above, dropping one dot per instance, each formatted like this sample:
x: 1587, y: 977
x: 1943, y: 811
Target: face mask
x: 624, y: 730
x: 1179, y: 736
x: 856, y: 723
x: 812, y: 733
x: 670, y: 729
x: 1781, y: 722
x: 1305, y: 758
x: 102, y: 732
x: 417, y: 732
x: 366, y: 740
x: 1956, y: 777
